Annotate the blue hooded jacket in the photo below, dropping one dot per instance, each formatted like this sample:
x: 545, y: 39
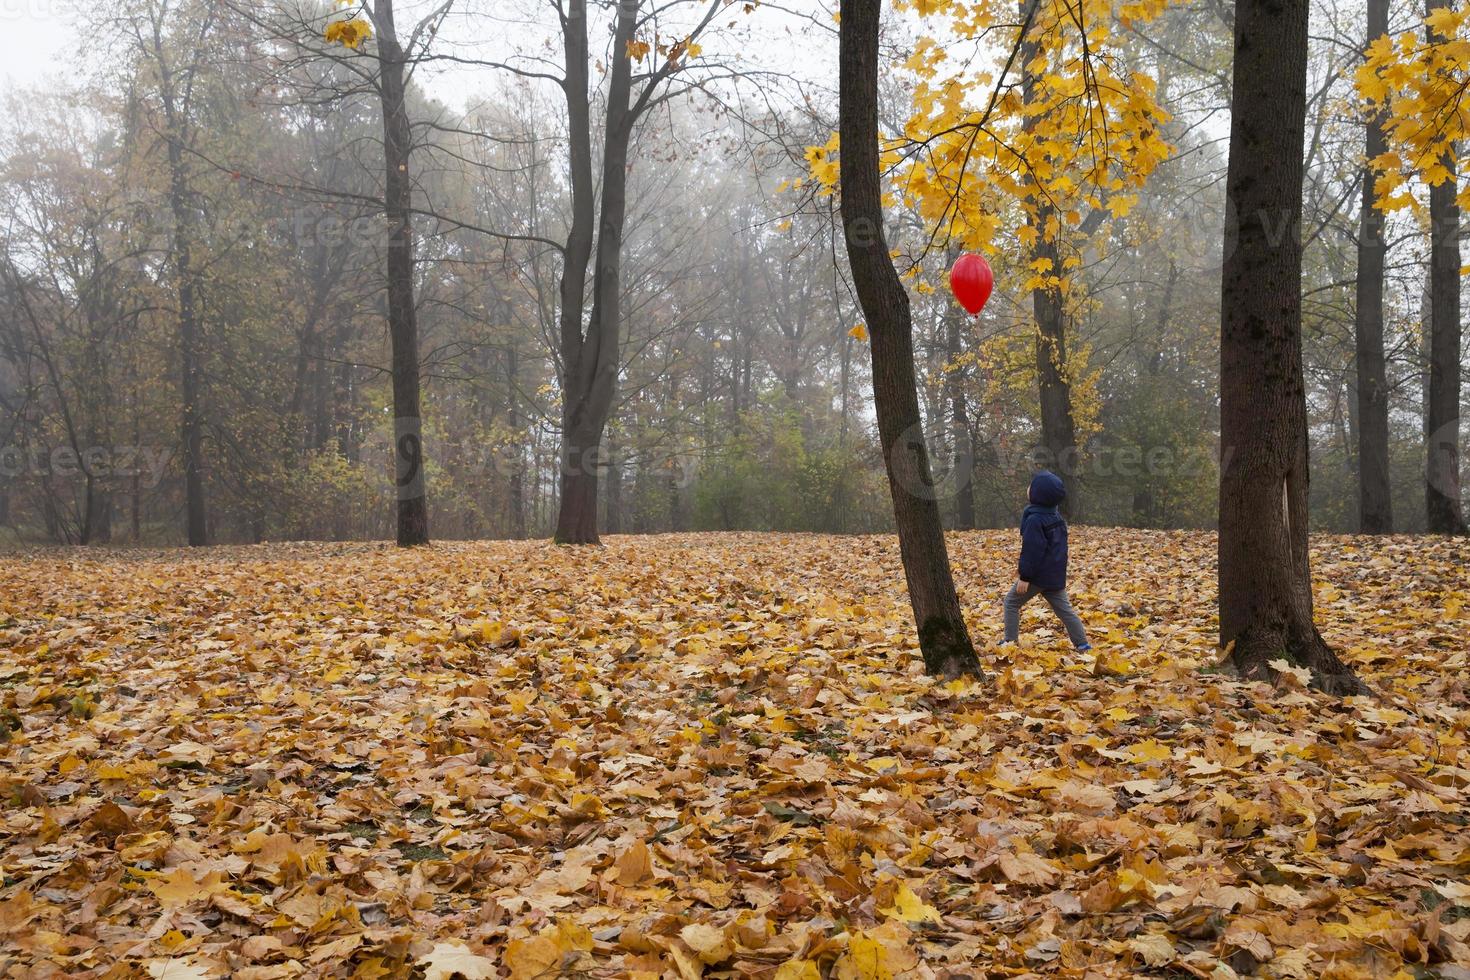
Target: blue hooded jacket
x: 1044, y: 535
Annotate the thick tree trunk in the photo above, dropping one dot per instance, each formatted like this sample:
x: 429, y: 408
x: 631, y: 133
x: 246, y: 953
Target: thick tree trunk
x: 1264, y: 566
x: 576, y: 521
x: 403, y: 332
x: 1375, y: 501
x: 1442, y: 470
x: 1058, y: 430
x: 1442, y: 483
x: 943, y: 638
x: 97, y: 526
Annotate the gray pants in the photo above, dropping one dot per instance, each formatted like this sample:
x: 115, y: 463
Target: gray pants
x: 1057, y: 599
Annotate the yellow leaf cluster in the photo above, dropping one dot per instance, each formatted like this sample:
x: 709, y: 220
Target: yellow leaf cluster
x: 348, y: 33
x: 1418, y: 82
x: 1087, y: 136
x: 991, y: 165
x: 639, y: 49
x: 823, y: 164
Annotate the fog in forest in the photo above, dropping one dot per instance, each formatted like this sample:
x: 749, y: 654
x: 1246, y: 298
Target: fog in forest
x: 595, y: 265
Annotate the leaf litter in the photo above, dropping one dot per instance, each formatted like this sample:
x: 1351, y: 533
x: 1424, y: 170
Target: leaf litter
x: 718, y: 756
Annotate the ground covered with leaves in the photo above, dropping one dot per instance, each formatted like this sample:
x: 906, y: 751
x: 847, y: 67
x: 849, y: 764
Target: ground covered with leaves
x: 717, y: 755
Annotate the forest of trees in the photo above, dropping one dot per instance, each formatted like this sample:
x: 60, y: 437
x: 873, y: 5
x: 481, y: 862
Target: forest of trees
x: 588, y: 277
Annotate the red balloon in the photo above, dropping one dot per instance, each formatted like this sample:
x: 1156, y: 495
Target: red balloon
x: 971, y: 281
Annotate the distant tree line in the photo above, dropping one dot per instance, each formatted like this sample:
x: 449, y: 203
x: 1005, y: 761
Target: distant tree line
x: 256, y: 284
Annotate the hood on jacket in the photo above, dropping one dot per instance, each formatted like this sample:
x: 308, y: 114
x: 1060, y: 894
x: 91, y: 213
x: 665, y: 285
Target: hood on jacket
x: 1047, y: 489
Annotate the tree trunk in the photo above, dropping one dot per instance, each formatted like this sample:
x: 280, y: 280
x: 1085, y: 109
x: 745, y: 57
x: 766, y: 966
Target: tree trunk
x: 577, y: 515
x: 322, y: 377
x: 1058, y: 431
x: 592, y: 375
x: 964, y: 453
x: 342, y: 414
x: 613, y: 505
x: 517, y: 481
x: 1264, y: 565
x: 191, y: 424
x: 98, y: 521
x: 1442, y: 471
x: 1375, y: 501
x: 677, y: 519
x: 135, y: 501
x: 576, y: 521
x: 413, y: 510
x: 943, y: 638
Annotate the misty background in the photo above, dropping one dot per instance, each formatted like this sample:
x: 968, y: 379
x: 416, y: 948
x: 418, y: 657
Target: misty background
x: 743, y: 395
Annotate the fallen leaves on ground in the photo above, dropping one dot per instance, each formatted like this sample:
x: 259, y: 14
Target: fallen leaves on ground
x: 717, y: 755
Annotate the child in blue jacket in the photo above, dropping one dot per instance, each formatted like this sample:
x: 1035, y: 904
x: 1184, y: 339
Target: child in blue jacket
x: 1043, y: 566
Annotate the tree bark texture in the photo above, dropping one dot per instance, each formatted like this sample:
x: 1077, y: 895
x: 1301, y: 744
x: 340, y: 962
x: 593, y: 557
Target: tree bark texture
x: 1058, y: 428
x: 1375, y: 501
x: 1264, y: 566
x: 408, y: 437
x: 943, y: 638
x: 1442, y: 504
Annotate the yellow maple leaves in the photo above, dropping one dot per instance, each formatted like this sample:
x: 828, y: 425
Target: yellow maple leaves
x: 866, y: 959
x: 1087, y: 131
x: 909, y: 907
x: 544, y: 954
x: 1418, y: 81
x: 991, y: 164
x: 179, y: 887
x: 534, y: 808
x: 684, y: 50
x: 348, y: 33
x: 823, y: 164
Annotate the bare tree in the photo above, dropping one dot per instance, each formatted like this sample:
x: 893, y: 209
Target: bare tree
x: 403, y: 331
x: 171, y: 42
x: 589, y: 358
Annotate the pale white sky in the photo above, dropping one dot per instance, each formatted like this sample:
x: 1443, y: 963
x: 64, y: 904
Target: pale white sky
x: 40, y: 43
x: 37, y: 42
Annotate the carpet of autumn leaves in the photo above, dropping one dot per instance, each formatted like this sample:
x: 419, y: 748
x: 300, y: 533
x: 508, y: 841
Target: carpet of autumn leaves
x: 717, y: 755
